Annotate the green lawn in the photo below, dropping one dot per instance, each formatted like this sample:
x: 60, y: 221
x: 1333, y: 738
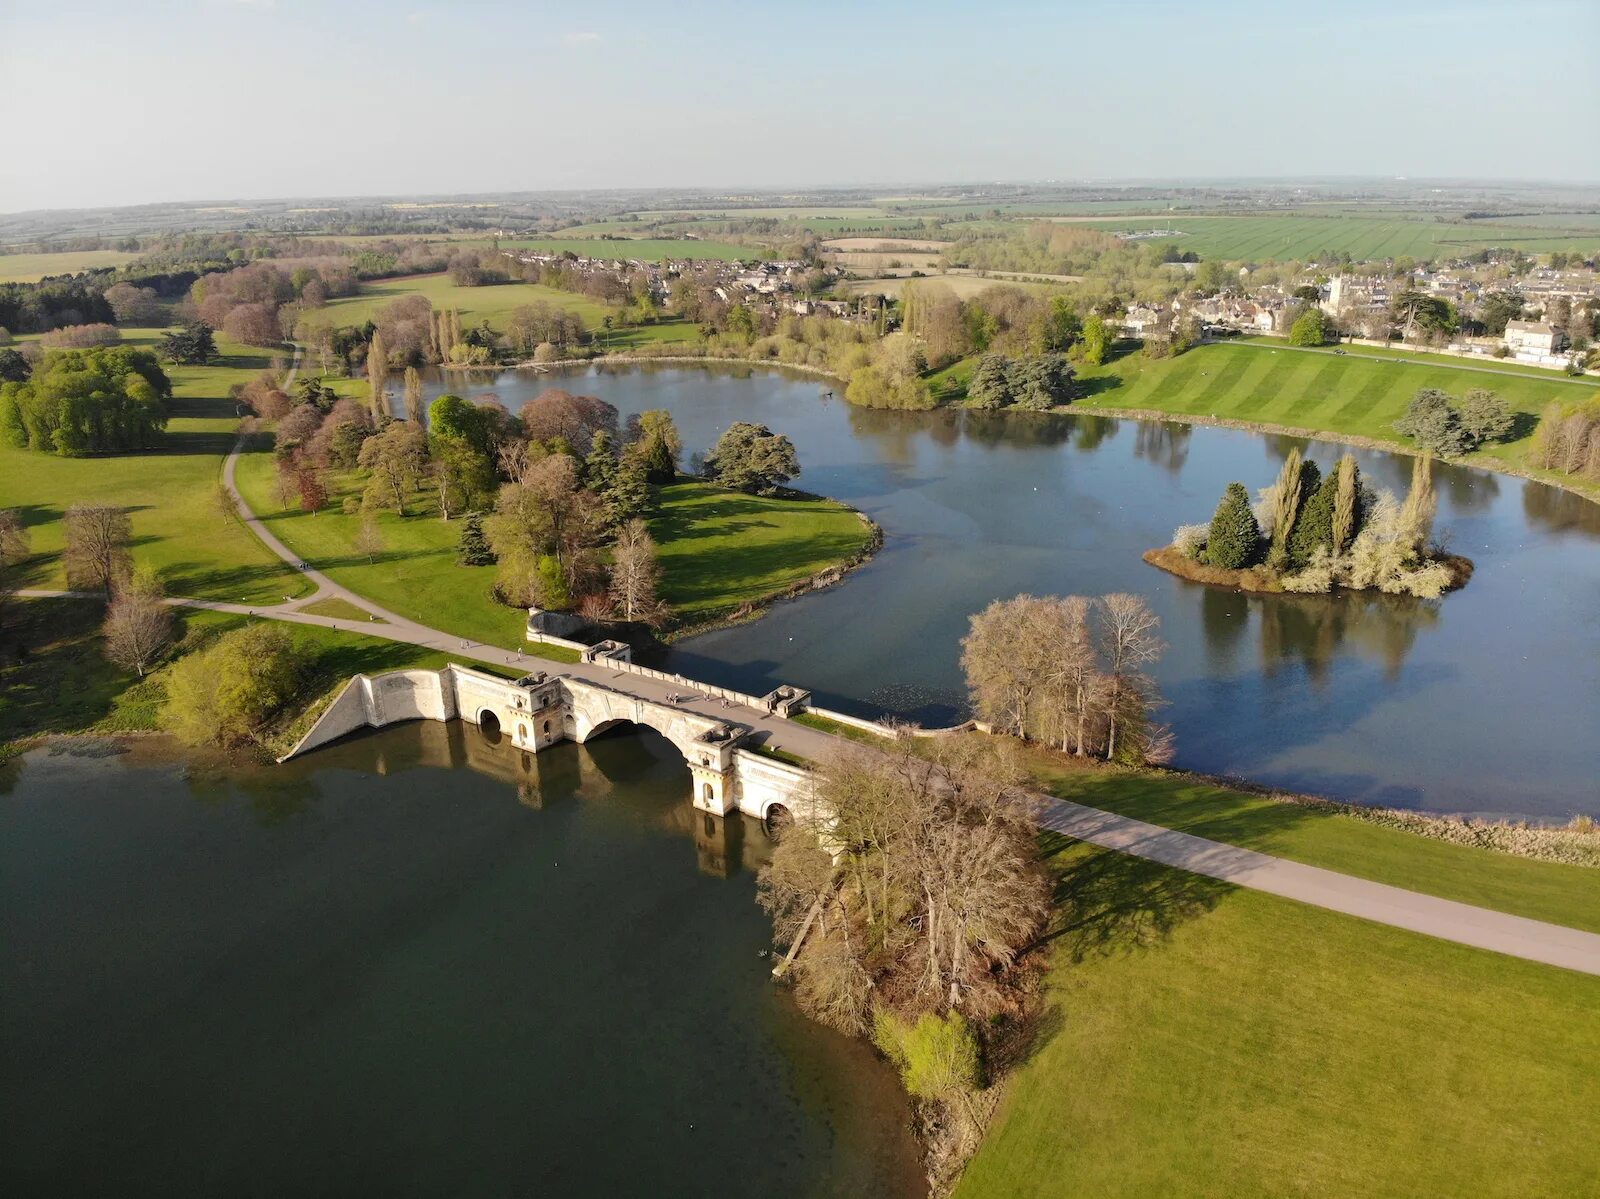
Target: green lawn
x: 720, y: 550
x: 1552, y: 891
x: 1207, y: 1041
x: 338, y: 609
x: 1302, y: 236
x: 30, y: 268
x: 495, y: 303
x: 176, y: 528
x: 1350, y: 394
x: 416, y: 575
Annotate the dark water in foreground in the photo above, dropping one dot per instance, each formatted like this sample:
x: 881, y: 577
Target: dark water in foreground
x: 377, y: 971
x: 1487, y: 701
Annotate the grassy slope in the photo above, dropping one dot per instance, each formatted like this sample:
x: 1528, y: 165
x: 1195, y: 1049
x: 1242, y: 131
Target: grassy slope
x: 176, y: 528
x: 494, y: 304
x: 719, y: 550
x: 1226, y: 1043
x: 30, y: 268
x: 1351, y: 394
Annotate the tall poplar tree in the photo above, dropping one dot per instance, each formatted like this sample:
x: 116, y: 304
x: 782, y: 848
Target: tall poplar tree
x: 377, y: 377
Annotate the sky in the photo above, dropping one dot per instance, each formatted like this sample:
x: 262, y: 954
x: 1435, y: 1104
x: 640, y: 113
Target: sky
x: 121, y: 103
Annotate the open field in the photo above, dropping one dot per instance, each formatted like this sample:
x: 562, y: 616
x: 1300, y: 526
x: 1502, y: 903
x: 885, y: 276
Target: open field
x: 964, y: 285
x: 646, y: 249
x: 1212, y: 1041
x: 720, y: 549
x: 1258, y: 238
x: 176, y: 527
x: 870, y: 263
x: 495, y: 303
x: 30, y: 268
x: 920, y: 244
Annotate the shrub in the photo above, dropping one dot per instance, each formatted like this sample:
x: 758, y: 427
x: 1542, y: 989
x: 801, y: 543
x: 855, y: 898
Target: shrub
x: 1190, y: 540
x: 937, y: 1056
x: 230, y: 693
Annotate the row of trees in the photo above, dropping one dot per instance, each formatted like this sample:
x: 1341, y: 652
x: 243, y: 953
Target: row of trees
x: 1070, y: 672
x: 1443, y: 425
x: 1568, y: 440
x: 86, y: 402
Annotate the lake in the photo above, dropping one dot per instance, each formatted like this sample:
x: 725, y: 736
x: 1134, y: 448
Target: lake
x: 1484, y: 702
x: 413, y: 963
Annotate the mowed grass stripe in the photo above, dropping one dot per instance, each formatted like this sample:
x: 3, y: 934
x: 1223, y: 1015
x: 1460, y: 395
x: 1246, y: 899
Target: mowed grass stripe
x: 1221, y: 386
x: 1323, y: 387
x: 1174, y: 381
x: 1368, y: 396
x: 1291, y: 374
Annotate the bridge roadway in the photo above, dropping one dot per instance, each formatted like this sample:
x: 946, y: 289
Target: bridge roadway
x: 1446, y: 919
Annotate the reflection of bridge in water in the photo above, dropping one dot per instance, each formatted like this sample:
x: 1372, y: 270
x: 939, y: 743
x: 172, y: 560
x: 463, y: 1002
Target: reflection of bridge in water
x: 533, y: 713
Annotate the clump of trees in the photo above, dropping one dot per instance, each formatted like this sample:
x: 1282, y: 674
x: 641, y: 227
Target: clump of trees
x: 1567, y: 440
x: 1440, y: 424
x: 232, y: 692
x: 86, y: 402
x: 1035, y: 383
x: 193, y: 345
x: 752, y: 458
x: 920, y: 891
x: 1070, y: 672
x: 1313, y: 532
x: 81, y: 337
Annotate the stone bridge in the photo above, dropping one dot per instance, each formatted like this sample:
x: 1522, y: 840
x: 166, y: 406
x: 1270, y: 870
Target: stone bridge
x: 539, y: 710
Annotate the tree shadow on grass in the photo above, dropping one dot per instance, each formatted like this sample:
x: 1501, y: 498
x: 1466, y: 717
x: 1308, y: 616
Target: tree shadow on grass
x: 1109, y: 903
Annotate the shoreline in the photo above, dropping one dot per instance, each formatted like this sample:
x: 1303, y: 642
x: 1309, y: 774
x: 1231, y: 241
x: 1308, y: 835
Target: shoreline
x: 1256, y: 581
x: 631, y: 359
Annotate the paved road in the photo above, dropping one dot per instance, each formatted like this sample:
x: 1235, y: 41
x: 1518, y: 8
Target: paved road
x: 1462, y: 923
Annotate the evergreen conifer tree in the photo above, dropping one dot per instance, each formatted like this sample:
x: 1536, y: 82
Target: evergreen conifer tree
x: 1315, y: 526
x: 1235, y: 538
x: 473, y: 548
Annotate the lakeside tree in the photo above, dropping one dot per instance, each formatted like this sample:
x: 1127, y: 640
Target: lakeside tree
x: 1313, y: 530
x: 97, y: 556
x: 752, y: 458
x: 635, y: 574
x: 377, y: 377
x: 414, y: 407
x: 81, y: 402
x: 1346, y: 504
x: 1284, y: 506
x: 193, y: 345
x: 230, y: 693
x: 138, y: 625
x: 653, y: 439
x: 1234, y: 540
x: 1044, y: 668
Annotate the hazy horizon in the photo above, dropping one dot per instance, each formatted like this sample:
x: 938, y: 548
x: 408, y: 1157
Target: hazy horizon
x: 273, y: 99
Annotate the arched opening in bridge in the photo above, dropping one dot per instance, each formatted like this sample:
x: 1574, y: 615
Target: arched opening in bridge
x: 489, y: 726
x: 776, y: 820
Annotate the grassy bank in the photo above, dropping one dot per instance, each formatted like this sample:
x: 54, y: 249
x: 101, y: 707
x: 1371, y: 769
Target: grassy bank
x: 1203, y: 1040
x: 169, y: 493
x: 720, y: 550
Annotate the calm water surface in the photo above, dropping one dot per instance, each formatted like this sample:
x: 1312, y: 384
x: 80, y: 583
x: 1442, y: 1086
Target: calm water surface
x: 409, y: 964
x: 1487, y: 701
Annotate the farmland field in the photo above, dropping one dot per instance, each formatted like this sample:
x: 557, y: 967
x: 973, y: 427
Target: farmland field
x: 30, y: 268
x: 646, y: 249
x: 1258, y: 238
x: 963, y: 285
x: 495, y: 303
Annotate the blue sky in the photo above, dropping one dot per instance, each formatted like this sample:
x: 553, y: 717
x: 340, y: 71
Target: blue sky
x: 110, y: 103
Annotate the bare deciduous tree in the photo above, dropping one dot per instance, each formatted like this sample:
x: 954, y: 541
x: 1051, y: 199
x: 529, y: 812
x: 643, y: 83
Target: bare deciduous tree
x: 1127, y: 633
x: 15, y: 545
x: 635, y: 573
x: 97, y: 547
x: 138, y: 626
x: 369, y: 537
